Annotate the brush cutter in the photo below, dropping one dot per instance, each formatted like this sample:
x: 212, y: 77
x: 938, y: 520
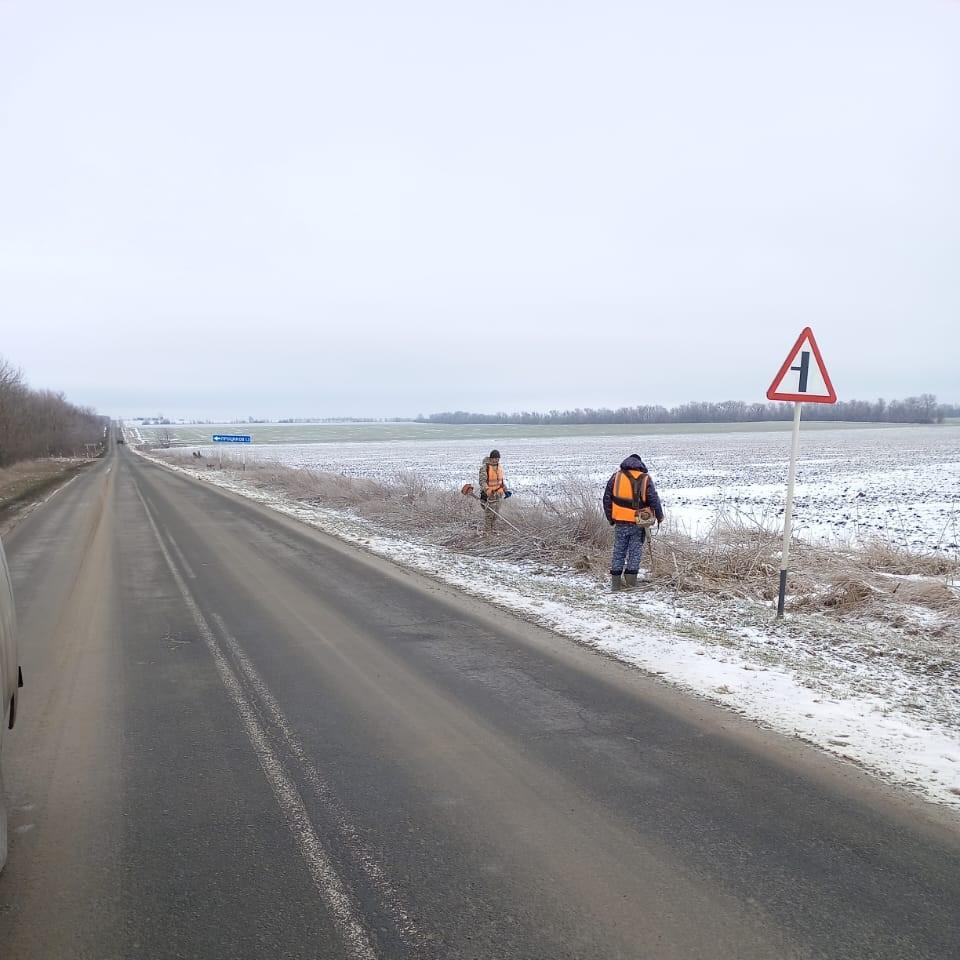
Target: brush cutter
x: 646, y: 518
x: 468, y: 491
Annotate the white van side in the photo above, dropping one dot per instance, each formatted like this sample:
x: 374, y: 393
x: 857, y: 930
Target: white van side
x: 9, y: 683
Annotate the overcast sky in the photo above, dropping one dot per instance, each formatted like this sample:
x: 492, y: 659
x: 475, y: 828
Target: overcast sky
x: 380, y: 208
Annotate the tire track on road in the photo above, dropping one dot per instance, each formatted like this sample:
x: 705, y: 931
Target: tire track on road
x: 326, y: 880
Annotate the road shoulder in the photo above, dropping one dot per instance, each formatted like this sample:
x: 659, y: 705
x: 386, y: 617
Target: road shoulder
x: 26, y: 486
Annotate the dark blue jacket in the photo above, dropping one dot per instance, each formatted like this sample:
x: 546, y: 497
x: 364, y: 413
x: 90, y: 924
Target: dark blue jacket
x: 633, y: 462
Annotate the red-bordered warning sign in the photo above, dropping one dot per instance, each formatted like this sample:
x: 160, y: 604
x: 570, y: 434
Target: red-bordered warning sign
x: 803, y: 376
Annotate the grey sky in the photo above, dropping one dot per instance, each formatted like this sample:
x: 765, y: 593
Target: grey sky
x: 379, y: 208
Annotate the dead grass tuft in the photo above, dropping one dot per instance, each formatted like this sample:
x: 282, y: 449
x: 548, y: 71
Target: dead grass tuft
x: 933, y: 594
x: 884, y: 557
x: 848, y: 593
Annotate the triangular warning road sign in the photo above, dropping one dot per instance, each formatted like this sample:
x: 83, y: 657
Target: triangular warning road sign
x: 803, y: 375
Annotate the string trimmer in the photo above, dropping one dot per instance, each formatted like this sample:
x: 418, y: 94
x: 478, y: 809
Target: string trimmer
x: 468, y: 491
x: 646, y: 518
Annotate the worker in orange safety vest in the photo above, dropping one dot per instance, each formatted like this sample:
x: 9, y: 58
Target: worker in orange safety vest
x: 493, y: 489
x: 631, y: 504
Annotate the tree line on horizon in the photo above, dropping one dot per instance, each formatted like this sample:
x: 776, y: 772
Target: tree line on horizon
x: 922, y: 409
x: 41, y: 423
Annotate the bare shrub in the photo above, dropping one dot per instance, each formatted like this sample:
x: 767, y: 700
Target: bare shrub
x: 734, y: 559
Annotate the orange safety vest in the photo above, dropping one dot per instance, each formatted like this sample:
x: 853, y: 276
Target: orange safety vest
x: 494, y: 479
x: 629, y: 494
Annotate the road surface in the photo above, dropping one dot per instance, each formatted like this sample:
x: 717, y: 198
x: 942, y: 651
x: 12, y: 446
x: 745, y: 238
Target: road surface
x: 240, y: 738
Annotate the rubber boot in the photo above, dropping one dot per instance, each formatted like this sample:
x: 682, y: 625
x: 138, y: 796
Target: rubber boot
x: 629, y: 580
x: 616, y: 584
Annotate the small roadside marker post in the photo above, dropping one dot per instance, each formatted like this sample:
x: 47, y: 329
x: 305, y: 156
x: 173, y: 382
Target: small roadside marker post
x: 802, y: 378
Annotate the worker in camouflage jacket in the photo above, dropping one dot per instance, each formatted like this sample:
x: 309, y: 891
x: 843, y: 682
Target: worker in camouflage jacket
x: 629, y: 501
x: 493, y: 489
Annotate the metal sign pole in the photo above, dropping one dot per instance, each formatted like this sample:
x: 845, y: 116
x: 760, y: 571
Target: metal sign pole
x: 788, y: 512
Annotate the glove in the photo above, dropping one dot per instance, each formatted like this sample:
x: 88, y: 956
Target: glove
x: 508, y: 495
x: 483, y: 495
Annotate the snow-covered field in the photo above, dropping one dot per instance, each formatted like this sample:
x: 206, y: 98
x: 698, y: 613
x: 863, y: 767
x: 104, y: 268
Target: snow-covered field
x: 881, y: 695
x: 898, y: 483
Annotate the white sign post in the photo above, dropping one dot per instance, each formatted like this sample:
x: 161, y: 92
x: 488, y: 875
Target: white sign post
x: 803, y: 378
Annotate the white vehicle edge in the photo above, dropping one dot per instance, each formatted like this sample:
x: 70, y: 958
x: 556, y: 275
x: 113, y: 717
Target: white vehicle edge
x: 10, y: 680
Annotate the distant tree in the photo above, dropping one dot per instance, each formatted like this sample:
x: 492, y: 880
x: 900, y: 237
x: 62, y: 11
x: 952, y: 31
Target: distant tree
x: 922, y: 409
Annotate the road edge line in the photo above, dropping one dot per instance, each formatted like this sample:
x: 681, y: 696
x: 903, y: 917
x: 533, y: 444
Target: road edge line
x: 331, y: 888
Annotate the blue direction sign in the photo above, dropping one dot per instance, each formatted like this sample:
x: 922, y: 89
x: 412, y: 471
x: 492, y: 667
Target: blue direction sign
x: 232, y: 438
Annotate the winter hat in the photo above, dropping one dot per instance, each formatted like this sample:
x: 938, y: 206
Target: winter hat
x: 494, y: 454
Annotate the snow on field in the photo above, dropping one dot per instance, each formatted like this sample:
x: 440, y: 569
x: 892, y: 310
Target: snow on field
x: 878, y: 697
x: 897, y: 483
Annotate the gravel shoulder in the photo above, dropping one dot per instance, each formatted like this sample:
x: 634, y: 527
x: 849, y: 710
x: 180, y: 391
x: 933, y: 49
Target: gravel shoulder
x: 25, y: 485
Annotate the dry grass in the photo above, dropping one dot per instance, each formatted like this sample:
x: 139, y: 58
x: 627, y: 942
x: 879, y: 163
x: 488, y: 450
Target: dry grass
x: 22, y: 479
x: 881, y: 556
x: 738, y: 558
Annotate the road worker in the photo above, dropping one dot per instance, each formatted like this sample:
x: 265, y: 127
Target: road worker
x: 631, y: 504
x: 493, y: 490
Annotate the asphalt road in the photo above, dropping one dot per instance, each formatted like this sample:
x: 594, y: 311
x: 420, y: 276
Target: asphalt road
x: 240, y: 738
